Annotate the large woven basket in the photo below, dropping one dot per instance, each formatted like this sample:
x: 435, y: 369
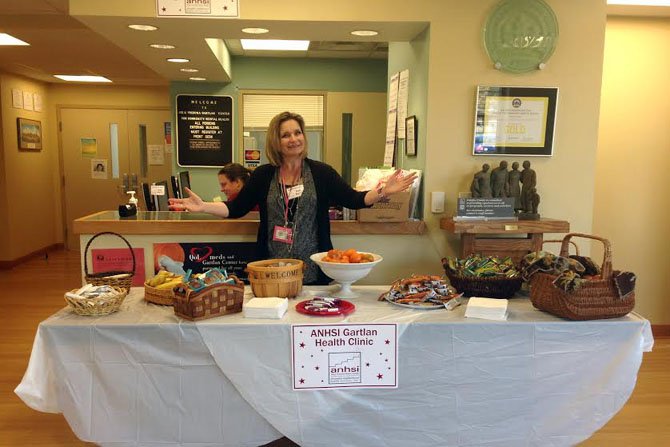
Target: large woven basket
x: 118, y: 278
x: 164, y: 297
x: 490, y: 287
x: 101, y: 305
x: 267, y: 279
x: 595, y: 299
x: 212, y: 301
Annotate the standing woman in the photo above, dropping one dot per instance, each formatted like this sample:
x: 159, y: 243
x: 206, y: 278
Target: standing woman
x: 293, y: 193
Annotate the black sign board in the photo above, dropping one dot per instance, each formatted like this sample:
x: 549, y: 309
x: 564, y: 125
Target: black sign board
x: 204, y: 130
x: 481, y: 208
x: 202, y: 256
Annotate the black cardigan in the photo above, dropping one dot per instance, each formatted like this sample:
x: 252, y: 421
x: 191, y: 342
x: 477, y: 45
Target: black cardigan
x: 331, y: 189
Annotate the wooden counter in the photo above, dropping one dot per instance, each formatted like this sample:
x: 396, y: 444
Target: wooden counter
x: 168, y: 222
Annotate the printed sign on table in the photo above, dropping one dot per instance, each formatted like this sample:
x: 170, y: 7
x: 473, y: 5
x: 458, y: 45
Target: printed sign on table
x: 119, y: 259
x: 202, y: 256
x: 344, y: 356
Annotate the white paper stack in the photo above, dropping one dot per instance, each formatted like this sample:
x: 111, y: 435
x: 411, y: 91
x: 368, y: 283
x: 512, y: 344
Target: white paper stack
x: 265, y: 308
x: 487, y: 308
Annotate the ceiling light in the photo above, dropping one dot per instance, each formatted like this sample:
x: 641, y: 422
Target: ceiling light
x: 197, y: 79
x: 255, y: 30
x: 639, y: 2
x: 189, y: 70
x: 364, y: 32
x: 82, y: 78
x: 162, y: 46
x: 6, y: 39
x: 274, y: 44
x: 178, y: 60
x: 143, y: 27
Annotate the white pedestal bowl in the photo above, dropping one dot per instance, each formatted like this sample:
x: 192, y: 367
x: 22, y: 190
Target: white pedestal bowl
x: 345, y: 274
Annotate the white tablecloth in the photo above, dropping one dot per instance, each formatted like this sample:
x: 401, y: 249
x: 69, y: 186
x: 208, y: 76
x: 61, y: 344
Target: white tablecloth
x: 145, y: 377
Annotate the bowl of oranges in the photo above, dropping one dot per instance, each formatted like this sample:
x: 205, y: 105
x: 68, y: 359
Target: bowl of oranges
x: 346, y: 267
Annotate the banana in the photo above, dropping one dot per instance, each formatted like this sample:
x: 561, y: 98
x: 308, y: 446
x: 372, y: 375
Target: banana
x: 170, y: 284
x: 161, y: 277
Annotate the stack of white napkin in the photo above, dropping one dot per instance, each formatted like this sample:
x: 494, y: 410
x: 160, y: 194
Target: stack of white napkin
x: 265, y: 308
x: 487, y: 308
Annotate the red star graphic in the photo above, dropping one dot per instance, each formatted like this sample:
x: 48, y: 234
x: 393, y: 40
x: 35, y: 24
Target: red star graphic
x: 380, y: 376
x: 302, y: 381
x: 302, y: 344
x: 388, y: 342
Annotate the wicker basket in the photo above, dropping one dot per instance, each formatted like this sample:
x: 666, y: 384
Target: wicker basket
x: 212, y: 301
x: 164, y: 297
x: 268, y: 280
x: 101, y: 305
x: 119, y: 278
x: 490, y: 287
x: 595, y: 299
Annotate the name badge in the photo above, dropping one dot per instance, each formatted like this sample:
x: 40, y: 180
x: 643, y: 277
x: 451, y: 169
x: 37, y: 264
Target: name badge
x: 282, y: 234
x: 295, y: 191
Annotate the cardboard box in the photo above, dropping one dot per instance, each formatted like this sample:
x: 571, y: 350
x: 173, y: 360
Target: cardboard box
x: 391, y: 209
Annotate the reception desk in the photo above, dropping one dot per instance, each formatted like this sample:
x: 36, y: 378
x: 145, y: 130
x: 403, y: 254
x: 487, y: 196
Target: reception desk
x: 143, y: 376
x: 396, y: 242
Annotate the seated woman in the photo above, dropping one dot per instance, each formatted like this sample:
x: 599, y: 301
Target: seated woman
x: 232, y: 178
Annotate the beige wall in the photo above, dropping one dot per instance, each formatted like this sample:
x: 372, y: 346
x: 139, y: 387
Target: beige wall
x: 633, y: 158
x: 369, y: 126
x: 31, y: 215
x: 29, y: 205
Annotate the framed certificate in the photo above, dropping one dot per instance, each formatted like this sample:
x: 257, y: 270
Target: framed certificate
x: 515, y: 121
x: 410, y: 136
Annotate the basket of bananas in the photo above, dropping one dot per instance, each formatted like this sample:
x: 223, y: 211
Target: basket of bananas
x: 159, y: 289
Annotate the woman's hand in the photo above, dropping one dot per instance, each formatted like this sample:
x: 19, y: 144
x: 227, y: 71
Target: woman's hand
x: 192, y: 203
x: 398, y: 182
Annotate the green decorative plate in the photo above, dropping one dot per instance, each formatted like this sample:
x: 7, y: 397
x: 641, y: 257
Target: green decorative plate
x: 520, y: 35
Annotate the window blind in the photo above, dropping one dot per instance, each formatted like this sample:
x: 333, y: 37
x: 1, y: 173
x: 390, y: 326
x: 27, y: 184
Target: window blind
x: 260, y: 109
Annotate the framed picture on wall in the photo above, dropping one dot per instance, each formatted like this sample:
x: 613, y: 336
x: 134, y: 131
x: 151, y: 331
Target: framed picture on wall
x: 410, y: 136
x: 515, y: 121
x: 29, y: 134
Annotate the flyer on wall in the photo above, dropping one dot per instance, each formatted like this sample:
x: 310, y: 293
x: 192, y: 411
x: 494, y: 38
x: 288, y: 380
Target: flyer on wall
x: 515, y: 121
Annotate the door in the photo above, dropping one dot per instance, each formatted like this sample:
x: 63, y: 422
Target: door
x: 103, y: 152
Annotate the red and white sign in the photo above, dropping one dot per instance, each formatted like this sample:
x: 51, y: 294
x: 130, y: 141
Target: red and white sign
x: 344, y: 356
x: 119, y: 259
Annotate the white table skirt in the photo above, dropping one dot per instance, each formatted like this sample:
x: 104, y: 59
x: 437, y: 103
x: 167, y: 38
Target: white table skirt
x: 142, y: 376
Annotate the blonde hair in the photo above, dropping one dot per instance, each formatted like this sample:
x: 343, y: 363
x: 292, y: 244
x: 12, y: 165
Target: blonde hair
x: 273, y: 137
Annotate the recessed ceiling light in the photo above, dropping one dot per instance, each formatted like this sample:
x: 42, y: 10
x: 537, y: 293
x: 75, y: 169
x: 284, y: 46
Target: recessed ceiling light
x: 274, y: 44
x: 189, y: 70
x: 197, y: 79
x: 178, y: 60
x: 6, y: 39
x: 162, y: 46
x: 364, y: 32
x: 82, y: 78
x: 143, y: 27
x: 255, y: 30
